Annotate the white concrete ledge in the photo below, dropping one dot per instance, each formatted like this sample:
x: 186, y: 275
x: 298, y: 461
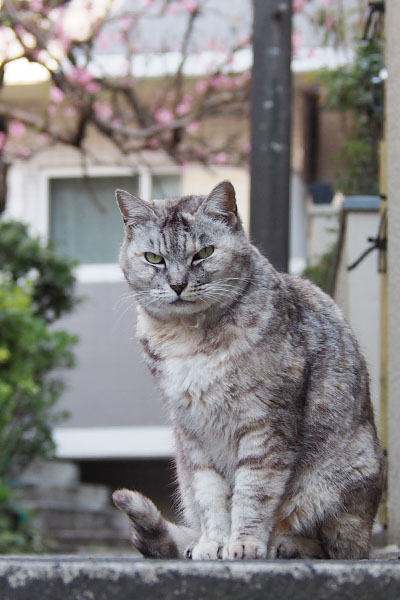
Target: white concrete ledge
x: 103, y: 578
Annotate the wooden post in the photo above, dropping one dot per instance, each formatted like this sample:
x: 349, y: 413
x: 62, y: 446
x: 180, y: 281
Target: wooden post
x: 270, y: 130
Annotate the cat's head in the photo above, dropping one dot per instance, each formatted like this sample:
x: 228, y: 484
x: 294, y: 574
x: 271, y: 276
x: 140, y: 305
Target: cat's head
x: 184, y: 256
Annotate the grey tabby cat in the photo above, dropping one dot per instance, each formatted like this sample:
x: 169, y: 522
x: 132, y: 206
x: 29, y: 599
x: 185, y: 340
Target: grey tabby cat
x: 276, y: 449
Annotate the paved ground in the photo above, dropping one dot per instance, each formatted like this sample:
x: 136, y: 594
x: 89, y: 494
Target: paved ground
x: 109, y: 578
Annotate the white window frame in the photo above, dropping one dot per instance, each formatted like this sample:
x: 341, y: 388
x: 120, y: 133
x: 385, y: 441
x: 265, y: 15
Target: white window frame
x: 77, y: 443
x: 29, y: 201
x: 38, y: 215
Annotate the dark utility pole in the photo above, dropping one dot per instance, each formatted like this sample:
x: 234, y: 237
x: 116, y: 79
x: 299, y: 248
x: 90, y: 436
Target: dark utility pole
x: 270, y: 130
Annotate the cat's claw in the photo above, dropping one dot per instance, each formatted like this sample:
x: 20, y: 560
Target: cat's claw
x: 244, y: 550
x: 206, y: 551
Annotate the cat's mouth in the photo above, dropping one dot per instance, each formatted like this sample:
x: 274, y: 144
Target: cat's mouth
x: 181, y: 301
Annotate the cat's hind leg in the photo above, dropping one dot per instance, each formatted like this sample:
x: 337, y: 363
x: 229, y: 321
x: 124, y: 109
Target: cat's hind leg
x: 292, y: 546
x: 346, y: 537
x: 152, y: 534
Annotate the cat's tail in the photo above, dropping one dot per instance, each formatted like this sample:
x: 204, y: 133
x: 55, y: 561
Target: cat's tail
x: 152, y: 534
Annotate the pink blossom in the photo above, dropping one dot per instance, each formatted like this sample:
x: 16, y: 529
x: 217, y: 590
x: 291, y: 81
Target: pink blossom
x: 148, y: 3
x: 80, y: 76
x: 56, y: 95
x: 92, y: 87
x: 185, y: 105
x: 330, y: 22
x: 36, y: 5
x: 202, y: 86
x: 241, y: 80
x: 125, y: 23
x: 104, y: 111
x: 221, y: 158
x: 104, y: 41
x: 85, y: 79
x: 172, y: 9
x: 182, y: 109
x: 16, y: 129
x: 117, y: 38
x: 247, y: 148
x: 153, y: 143
x: 3, y: 140
x: 61, y: 36
x: 192, y: 127
x: 227, y: 81
x: 297, y: 42
x: 69, y: 111
x: 52, y: 109
x: 245, y: 40
x: 164, y: 116
x: 190, y: 5
x: 40, y: 55
x: 215, y: 45
x: 221, y: 81
x: 298, y: 5
x: 19, y: 30
x: 23, y: 152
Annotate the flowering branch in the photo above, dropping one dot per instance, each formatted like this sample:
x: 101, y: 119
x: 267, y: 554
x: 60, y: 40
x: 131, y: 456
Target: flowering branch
x: 133, y: 112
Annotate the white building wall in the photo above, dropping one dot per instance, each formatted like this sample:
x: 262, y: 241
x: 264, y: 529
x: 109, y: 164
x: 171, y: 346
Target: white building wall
x: 357, y: 292
x: 322, y: 233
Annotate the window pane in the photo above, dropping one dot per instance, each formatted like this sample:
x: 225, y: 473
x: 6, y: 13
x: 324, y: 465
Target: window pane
x: 165, y: 186
x: 85, y: 222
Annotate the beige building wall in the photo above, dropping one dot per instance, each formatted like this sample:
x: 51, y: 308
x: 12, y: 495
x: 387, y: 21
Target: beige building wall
x: 393, y: 135
x: 197, y: 179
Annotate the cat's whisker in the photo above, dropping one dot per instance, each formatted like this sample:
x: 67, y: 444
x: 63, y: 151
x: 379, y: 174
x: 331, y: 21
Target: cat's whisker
x: 133, y: 296
x: 122, y: 300
x: 122, y: 314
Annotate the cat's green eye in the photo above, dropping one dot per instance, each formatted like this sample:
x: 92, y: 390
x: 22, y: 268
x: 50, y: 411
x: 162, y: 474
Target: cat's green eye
x: 204, y: 253
x: 154, y: 259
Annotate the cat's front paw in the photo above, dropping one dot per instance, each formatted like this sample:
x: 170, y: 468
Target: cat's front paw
x: 204, y: 551
x: 244, y: 550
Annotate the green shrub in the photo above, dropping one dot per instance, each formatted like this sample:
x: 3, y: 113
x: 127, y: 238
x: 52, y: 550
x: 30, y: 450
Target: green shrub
x: 320, y: 272
x: 36, y: 287
x: 23, y: 257
x: 358, y: 88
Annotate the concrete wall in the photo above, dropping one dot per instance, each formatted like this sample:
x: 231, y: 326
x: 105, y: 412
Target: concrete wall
x: 393, y: 141
x: 112, y: 578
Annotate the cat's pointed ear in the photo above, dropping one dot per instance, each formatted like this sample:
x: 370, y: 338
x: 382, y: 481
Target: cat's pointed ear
x: 221, y: 203
x: 134, y: 210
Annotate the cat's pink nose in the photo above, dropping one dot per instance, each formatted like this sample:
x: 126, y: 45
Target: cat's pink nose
x: 178, y: 288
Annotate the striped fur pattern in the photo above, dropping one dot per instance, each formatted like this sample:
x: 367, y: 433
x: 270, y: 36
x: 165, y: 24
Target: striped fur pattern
x: 267, y: 392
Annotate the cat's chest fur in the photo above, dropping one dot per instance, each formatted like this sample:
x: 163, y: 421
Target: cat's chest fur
x: 188, y: 362
x: 194, y: 371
